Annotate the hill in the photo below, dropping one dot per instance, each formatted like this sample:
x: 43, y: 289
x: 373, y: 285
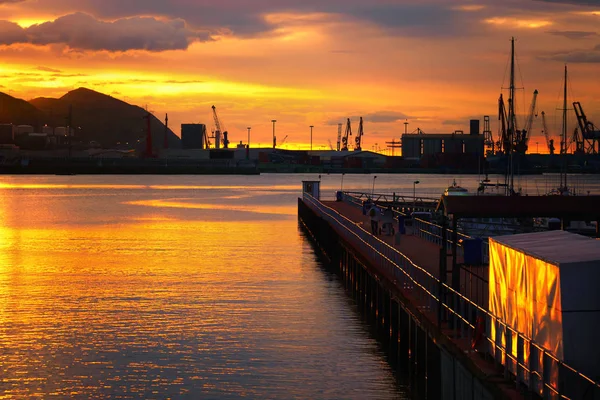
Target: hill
x: 19, y: 112
x: 103, y: 119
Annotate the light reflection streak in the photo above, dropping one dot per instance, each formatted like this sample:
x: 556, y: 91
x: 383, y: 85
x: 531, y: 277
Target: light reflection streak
x: 50, y: 186
x: 160, y: 203
x: 155, y: 303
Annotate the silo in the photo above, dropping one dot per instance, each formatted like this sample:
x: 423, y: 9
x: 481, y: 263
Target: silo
x: 7, y: 134
x: 24, y: 129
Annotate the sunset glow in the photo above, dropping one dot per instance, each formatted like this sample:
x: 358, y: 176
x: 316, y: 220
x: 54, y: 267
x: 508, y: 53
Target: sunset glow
x: 429, y: 63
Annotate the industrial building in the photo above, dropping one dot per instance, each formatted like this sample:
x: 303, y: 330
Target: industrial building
x: 193, y: 136
x: 420, y: 144
x: 453, y: 150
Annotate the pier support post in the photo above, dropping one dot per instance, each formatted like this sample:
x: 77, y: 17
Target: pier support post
x: 403, y: 347
x: 394, y: 334
x: 386, y: 316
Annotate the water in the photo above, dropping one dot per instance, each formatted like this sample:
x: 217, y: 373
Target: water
x: 180, y: 287
x: 183, y: 287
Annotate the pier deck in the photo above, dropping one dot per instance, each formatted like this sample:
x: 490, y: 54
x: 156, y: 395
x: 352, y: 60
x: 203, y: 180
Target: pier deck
x: 427, y: 255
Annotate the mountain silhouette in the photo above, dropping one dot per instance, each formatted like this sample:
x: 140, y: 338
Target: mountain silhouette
x: 94, y: 117
x: 18, y: 112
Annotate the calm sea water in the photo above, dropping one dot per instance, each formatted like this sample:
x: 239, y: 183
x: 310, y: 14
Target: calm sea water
x: 182, y: 287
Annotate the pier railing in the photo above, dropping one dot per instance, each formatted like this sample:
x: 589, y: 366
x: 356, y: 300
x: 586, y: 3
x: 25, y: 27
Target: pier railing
x: 525, y: 361
x: 424, y: 229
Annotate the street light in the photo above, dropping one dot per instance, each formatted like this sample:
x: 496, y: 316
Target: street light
x: 342, y: 187
x: 274, y: 138
x: 415, y: 183
x: 311, y: 128
x: 373, y: 190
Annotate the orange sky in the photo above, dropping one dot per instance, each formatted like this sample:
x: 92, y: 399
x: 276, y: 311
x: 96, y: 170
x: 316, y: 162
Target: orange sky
x: 434, y: 63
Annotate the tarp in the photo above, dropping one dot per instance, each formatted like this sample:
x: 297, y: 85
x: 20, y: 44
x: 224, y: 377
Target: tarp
x: 525, y: 294
x: 545, y: 286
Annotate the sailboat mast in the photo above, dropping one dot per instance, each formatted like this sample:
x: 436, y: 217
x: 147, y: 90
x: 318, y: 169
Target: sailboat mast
x: 511, y: 117
x: 563, y: 150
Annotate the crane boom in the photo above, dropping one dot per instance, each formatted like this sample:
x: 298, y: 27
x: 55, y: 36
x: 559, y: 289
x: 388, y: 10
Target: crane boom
x: 522, y: 136
x: 346, y: 135
x: 359, y: 136
x: 219, y: 132
x: 504, y: 141
x: 549, y: 142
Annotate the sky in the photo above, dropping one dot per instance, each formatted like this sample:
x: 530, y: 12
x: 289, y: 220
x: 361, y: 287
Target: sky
x: 435, y: 64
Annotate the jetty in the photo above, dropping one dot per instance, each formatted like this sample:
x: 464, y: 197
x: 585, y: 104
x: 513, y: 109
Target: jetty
x: 425, y: 288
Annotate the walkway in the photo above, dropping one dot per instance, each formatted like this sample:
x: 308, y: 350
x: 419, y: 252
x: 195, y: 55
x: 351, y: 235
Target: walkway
x: 426, y: 254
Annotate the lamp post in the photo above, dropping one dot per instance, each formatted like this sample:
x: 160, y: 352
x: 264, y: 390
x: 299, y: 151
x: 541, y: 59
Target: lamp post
x: 248, y: 145
x: 342, y: 186
x: 415, y: 183
x: 373, y: 190
x: 311, y: 128
x: 274, y: 139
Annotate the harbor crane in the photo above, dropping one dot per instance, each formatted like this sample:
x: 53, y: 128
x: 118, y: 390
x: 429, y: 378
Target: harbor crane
x: 549, y: 142
x: 339, y: 137
x: 504, y: 142
x: 589, y: 141
x: 488, y: 138
x: 219, y: 132
x: 330, y: 144
x: 359, y: 136
x: 346, y: 135
x: 522, y: 136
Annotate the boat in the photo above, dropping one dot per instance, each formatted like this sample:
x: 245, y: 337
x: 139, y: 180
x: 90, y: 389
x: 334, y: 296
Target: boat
x: 483, y: 227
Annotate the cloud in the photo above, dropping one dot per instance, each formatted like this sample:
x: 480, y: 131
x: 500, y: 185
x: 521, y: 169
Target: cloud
x: 574, y: 2
x: 48, y: 69
x: 591, y: 56
x: 375, y: 118
x: 573, y: 34
x: 385, y: 116
x: 464, y: 121
x: 80, y: 31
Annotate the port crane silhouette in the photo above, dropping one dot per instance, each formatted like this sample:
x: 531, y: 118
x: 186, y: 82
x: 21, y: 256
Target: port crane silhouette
x: 359, y: 135
x: 346, y: 135
x: 219, y: 132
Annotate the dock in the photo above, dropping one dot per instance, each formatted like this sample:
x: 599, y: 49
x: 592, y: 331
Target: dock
x: 430, y: 307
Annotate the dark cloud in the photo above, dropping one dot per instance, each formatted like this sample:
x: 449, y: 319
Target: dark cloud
x: 573, y: 34
x: 385, y: 116
x: 426, y: 18
x: 591, y: 56
x: 375, y: 118
x: 574, y: 2
x: 82, y: 32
